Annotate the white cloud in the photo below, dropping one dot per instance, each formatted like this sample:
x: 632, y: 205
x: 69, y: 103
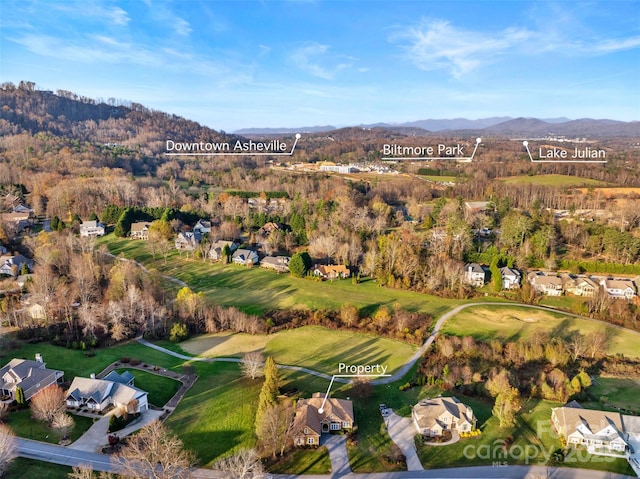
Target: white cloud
x: 113, y: 15
x: 437, y: 44
x: 312, y: 59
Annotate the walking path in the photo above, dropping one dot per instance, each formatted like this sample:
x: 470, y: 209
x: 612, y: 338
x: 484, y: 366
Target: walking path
x: 404, y: 369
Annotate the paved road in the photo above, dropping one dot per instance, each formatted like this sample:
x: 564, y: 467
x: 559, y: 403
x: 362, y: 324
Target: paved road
x: 337, y: 447
x: 402, y: 432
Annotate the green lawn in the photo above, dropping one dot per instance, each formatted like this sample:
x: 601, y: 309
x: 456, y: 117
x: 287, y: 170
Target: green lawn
x: 216, y: 416
x: 22, y: 468
x: 314, y: 347
x: 303, y: 461
x: 256, y: 290
x: 509, y: 322
x: 621, y: 393
x: 76, y: 363
x: 553, y: 180
x: 24, y: 425
x: 160, y: 388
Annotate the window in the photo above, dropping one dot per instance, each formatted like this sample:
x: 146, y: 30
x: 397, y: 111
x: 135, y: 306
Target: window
x: 310, y: 440
x: 346, y: 425
x: 306, y: 430
x: 335, y: 426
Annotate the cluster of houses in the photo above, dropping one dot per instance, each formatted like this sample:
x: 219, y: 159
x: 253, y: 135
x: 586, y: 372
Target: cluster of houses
x: 190, y: 240
x: 553, y: 284
x: 96, y: 395
x: 582, y: 285
x: 477, y: 275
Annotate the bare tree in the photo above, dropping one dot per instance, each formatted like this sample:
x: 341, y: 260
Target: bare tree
x: 243, y: 465
x: 86, y: 472
x: 63, y: 423
x: 597, y: 343
x: 275, y: 429
x: 156, y: 453
x: 46, y: 404
x: 7, y: 447
x: 252, y: 365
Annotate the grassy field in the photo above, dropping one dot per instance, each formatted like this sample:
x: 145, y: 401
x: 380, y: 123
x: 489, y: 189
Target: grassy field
x: 621, y: 393
x: 216, y: 416
x: 314, y: 347
x: 256, y: 290
x: 160, y: 388
x: 509, y: 322
x: 553, y: 180
x: 22, y: 468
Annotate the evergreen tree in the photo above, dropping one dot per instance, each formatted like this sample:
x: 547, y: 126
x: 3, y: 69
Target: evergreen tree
x: 269, y: 392
x: 299, y: 264
x: 496, y: 276
x: 19, y: 396
x: 123, y: 226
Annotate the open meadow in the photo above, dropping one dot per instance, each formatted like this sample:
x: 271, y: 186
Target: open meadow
x: 313, y: 347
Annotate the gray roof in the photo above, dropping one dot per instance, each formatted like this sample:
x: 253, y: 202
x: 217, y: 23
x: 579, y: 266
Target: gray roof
x: 125, y: 378
x: 30, y: 375
x: 98, y: 390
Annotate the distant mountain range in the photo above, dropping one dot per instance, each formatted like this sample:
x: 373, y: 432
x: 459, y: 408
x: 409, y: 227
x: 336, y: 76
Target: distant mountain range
x: 494, y: 126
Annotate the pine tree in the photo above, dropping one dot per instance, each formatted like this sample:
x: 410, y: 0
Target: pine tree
x: 269, y: 392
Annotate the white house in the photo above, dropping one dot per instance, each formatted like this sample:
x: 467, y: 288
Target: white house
x: 433, y: 416
x: 549, y: 285
x: 510, y: 278
x: 91, y: 228
x: 619, y: 288
x: 246, y: 257
x: 601, y: 432
x: 99, y: 394
x: 474, y: 274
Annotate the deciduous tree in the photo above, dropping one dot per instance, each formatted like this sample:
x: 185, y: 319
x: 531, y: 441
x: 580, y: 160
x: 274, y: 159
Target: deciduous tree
x: 156, y: 453
x: 252, y: 365
x: 7, y: 448
x: 48, y: 403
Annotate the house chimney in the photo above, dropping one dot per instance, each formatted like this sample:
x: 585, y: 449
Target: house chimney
x: 92, y: 375
x: 39, y: 358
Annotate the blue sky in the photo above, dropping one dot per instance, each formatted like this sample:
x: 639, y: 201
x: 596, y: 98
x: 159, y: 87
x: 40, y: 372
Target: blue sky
x: 235, y: 64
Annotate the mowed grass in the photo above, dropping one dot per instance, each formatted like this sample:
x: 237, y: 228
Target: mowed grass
x: 216, y: 416
x: 553, y: 180
x: 22, y: 468
x: 303, y: 461
x: 160, y: 388
x: 621, y: 393
x: 255, y: 290
x: 313, y: 347
x: 24, y: 425
x: 77, y: 363
x: 510, y: 322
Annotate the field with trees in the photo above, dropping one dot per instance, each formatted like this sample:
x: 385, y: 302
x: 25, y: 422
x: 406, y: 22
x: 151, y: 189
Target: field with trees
x: 510, y: 322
